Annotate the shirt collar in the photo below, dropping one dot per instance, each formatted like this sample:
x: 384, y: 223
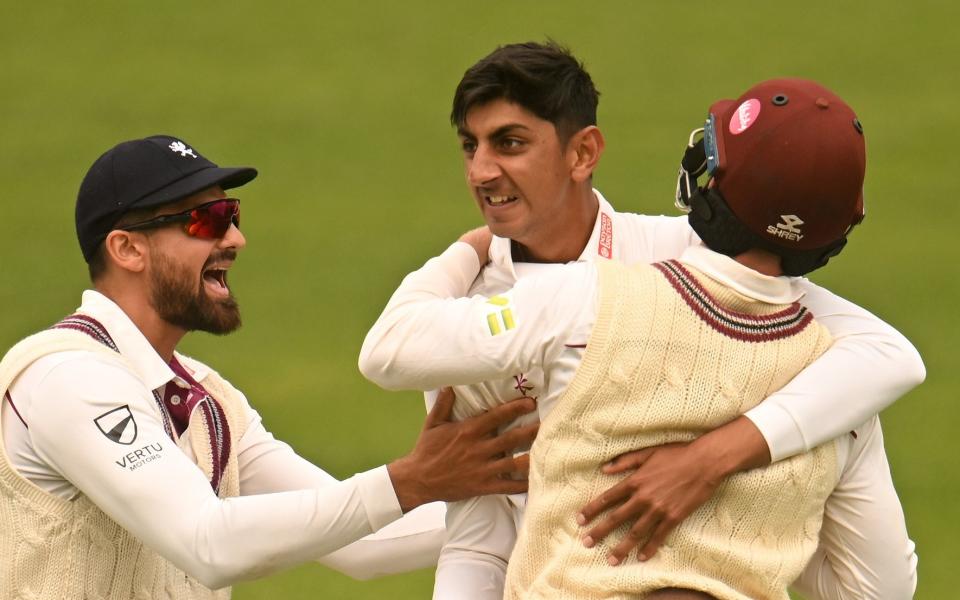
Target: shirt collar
x: 599, y: 244
x: 750, y: 283
x: 129, y: 340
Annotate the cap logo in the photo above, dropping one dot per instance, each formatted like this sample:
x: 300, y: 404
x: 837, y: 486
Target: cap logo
x: 789, y: 228
x: 745, y: 116
x: 182, y: 149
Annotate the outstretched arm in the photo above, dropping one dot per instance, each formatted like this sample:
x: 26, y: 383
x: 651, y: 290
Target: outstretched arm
x: 427, y: 336
x: 268, y: 466
x: 868, y: 367
x: 220, y: 541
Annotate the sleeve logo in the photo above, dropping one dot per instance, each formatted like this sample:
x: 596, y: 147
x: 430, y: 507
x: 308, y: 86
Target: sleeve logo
x: 118, y: 425
x: 500, y: 316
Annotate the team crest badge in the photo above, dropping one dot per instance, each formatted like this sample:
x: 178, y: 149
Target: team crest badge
x: 118, y: 425
x: 182, y: 149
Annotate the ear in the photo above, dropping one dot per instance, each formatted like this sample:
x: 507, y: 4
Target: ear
x: 126, y: 249
x: 584, y: 149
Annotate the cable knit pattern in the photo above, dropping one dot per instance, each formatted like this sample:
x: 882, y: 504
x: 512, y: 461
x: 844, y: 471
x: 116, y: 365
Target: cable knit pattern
x: 54, y: 549
x: 655, y: 371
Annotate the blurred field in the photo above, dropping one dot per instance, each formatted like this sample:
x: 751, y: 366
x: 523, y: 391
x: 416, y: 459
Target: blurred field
x: 343, y: 107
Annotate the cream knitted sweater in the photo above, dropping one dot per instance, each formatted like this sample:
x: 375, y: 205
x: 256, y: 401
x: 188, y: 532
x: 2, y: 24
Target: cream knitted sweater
x: 54, y: 549
x: 672, y: 355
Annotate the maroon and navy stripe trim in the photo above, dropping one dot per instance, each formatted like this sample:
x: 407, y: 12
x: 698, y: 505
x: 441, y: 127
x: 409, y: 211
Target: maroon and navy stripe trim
x: 93, y: 328
x: 737, y: 325
x: 219, y: 432
x: 217, y: 427
x: 167, y: 419
x: 14, y: 407
x: 89, y: 326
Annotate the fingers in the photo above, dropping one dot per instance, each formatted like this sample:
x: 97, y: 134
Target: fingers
x: 502, y: 476
x: 503, y: 414
x: 511, y: 466
x: 480, y: 240
x: 653, y: 525
x: 638, y: 533
x: 521, y: 464
x: 627, y: 461
x: 605, y: 526
x: 506, y: 486
x: 656, y: 540
x: 518, y: 438
x: 442, y: 409
x: 602, y: 502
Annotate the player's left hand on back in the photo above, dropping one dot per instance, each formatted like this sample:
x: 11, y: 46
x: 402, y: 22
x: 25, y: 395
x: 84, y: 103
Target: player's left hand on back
x: 669, y: 483
x: 480, y: 239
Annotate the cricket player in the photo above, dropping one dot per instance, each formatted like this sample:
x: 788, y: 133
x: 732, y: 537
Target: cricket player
x: 128, y: 470
x: 526, y: 116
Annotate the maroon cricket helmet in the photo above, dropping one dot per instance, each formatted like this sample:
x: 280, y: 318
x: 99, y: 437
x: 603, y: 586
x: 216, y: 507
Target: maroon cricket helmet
x: 790, y: 162
x: 786, y: 162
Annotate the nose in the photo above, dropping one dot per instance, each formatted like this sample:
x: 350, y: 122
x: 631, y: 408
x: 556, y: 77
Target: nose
x: 234, y: 238
x: 482, y: 167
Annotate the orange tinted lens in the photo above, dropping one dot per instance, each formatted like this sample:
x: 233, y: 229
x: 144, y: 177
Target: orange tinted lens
x: 213, y: 220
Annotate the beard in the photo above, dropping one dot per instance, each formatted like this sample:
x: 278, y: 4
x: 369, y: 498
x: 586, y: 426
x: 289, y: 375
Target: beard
x: 180, y: 303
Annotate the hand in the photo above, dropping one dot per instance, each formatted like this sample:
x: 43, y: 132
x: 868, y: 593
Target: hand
x: 480, y: 239
x: 454, y: 461
x: 669, y: 483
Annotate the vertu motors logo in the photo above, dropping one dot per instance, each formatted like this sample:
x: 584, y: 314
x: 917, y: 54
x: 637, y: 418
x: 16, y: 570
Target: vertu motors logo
x: 118, y: 425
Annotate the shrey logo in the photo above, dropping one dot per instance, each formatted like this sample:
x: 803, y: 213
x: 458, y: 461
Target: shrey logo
x: 745, y: 116
x: 118, y: 425
x: 182, y: 149
x: 789, y: 229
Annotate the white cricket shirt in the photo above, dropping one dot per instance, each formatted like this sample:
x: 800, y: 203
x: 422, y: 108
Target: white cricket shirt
x: 427, y: 336
x: 868, y: 367
x: 289, y: 510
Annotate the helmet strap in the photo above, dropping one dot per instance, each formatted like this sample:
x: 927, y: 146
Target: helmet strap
x: 722, y: 232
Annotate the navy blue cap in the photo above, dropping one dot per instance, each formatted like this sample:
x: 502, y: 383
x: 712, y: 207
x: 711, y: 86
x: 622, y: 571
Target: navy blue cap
x: 144, y: 173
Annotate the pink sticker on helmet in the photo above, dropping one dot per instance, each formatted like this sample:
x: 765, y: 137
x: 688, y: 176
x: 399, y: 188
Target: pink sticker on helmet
x: 745, y: 116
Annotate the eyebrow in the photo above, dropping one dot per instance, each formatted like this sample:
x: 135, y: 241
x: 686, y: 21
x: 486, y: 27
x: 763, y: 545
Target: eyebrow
x: 497, y: 133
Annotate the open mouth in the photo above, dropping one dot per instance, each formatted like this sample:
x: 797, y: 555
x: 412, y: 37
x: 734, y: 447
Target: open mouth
x: 215, y: 280
x: 499, y: 200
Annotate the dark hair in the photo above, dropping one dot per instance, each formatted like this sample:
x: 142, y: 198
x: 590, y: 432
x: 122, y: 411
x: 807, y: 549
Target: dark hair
x: 97, y: 265
x: 545, y: 79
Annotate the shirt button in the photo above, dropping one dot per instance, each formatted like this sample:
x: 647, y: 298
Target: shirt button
x: 175, y: 400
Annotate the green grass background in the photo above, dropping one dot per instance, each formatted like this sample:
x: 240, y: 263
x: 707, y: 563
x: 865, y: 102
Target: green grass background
x: 343, y: 107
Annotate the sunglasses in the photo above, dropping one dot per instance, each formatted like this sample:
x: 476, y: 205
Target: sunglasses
x: 208, y: 221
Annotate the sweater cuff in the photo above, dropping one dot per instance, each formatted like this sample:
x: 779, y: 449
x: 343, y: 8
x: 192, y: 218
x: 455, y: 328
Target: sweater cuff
x: 378, y: 496
x: 779, y: 429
